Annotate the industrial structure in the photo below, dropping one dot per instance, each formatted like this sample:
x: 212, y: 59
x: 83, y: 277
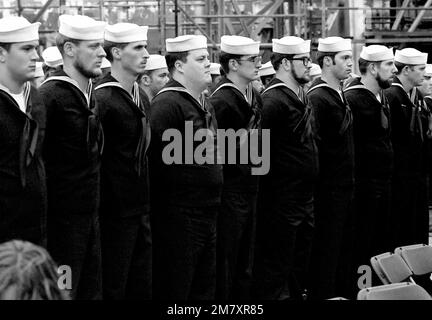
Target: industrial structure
x: 391, y: 22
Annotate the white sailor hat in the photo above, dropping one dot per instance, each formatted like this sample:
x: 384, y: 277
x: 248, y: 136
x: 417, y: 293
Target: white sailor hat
x: 52, y: 57
x: 125, y: 33
x: 334, y: 44
x: 428, y: 69
x: 411, y: 56
x: 39, y: 71
x: 376, y: 53
x: 266, y: 69
x: 105, y: 63
x: 186, y: 43
x: 215, y: 68
x: 155, y: 61
x: 18, y: 29
x: 291, y: 45
x: 315, y: 70
x: 239, y: 45
x: 81, y: 27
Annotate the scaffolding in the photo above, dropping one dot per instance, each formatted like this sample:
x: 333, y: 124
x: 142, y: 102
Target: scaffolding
x: 390, y: 22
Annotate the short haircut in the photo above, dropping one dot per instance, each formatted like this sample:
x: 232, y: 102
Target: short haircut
x: 400, y: 66
x: 61, y: 40
x: 276, y: 59
x: 224, y: 59
x: 108, y: 45
x: 364, y: 64
x: 172, y: 57
x: 5, y: 46
x: 321, y: 55
x: 28, y: 272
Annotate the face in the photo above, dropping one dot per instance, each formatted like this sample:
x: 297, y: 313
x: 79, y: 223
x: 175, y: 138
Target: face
x: 416, y: 74
x: 248, y: 67
x: 156, y: 80
x: 134, y: 57
x: 384, y: 73
x: 426, y: 87
x: 342, y: 66
x: 88, y: 56
x: 196, y: 69
x: 300, y: 68
x: 20, y: 60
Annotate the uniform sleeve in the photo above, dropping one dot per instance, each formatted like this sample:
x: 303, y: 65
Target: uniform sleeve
x: 270, y: 112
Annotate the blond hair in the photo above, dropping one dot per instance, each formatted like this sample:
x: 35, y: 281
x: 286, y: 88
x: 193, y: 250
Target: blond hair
x: 27, y: 272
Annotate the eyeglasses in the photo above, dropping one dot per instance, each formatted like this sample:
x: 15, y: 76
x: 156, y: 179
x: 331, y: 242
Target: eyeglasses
x: 306, y: 60
x: 254, y: 59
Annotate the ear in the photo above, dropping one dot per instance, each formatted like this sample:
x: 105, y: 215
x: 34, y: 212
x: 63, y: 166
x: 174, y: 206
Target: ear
x: 373, y: 68
x: 285, y: 64
x: 3, y: 54
x: 405, y: 70
x: 146, y: 80
x: 328, y: 61
x: 116, y: 53
x: 233, y: 65
x: 178, y: 65
x: 69, y: 49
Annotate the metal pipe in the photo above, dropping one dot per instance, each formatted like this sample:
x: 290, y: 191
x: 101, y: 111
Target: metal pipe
x: 176, y: 17
x: 276, y: 15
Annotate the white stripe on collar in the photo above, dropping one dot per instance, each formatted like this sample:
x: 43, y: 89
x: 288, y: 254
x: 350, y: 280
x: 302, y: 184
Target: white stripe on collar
x: 87, y: 95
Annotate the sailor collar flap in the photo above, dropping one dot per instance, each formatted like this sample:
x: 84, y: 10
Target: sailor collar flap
x: 200, y: 103
x: 135, y: 96
x: 281, y: 85
x: 249, y: 98
x: 87, y: 95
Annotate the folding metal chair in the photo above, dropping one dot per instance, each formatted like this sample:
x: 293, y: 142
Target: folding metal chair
x: 391, y: 268
x: 394, y: 291
x: 418, y: 257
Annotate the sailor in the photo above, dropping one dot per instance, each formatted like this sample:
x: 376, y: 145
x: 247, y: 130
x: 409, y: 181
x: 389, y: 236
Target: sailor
x: 373, y: 153
x: 285, y: 221
x: 266, y: 73
x: 52, y: 60
x: 409, y: 213
x: 315, y: 72
x: 238, y: 107
x: 336, y: 157
x: 186, y: 192
x: 124, y: 210
x: 155, y: 76
x: 23, y: 195
x: 74, y: 142
x: 39, y: 76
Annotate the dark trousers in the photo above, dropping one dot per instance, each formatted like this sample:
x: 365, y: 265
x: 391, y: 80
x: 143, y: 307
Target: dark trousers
x: 126, y: 257
x: 74, y: 240
x: 332, y: 207
x: 285, y: 229
x: 235, y: 245
x: 409, y: 211
x: 185, y: 253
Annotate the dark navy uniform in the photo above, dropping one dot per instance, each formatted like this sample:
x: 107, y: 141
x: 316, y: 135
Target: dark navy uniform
x: 286, y: 219
x: 334, y: 193
x: 409, y: 214
x: 23, y: 195
x: 124, y: 213
x: 373, y: 171
x: 237, y: 217
x: 185, y: 200
x: 72, y: 154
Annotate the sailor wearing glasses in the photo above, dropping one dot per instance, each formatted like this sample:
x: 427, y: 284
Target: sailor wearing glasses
x: 335, y: 188
x: 185, y: 193
x: 73, y: 145
x: 23, y: 195
x: 237, y: 106
x: 124, y: 209
x: 285, y: 220
x: 409, y: 223
x: 373, y: 153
